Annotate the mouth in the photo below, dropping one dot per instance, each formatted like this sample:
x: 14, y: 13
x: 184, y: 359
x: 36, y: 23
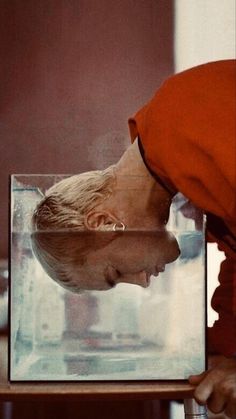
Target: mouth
x: 147, y: 279
x: 155, y: 272
x: 158, y: 269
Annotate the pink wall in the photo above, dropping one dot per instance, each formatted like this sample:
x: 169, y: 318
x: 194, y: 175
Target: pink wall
x: 72, y: 72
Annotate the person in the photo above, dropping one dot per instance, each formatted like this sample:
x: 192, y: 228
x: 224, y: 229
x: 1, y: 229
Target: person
x: 182, y: 140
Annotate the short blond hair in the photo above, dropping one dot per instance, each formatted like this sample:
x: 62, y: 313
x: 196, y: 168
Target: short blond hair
x: 67, y: 202
x: 60, y: 240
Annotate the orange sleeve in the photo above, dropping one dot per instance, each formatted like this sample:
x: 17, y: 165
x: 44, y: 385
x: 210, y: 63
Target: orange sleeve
x: 188, y: 134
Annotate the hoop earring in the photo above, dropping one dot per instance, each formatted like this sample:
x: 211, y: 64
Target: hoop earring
x: 118, y: 226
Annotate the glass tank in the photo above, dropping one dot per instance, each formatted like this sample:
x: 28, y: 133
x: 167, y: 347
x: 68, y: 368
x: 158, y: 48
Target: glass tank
x: 150, y: 329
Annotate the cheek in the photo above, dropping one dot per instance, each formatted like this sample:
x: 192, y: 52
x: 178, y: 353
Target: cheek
x: 132, y: 260
x: 90, y: 277
x: 145, y: 251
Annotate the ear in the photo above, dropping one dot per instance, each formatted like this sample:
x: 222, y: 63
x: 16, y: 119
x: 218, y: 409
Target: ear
x: 99, y: 220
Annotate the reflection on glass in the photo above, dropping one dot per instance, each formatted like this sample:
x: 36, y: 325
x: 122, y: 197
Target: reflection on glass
x: 136, y: 310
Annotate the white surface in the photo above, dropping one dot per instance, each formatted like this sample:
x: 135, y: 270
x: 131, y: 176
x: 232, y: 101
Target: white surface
x: 176, y: 410
x: 204, y: 31
x: 214, y: 259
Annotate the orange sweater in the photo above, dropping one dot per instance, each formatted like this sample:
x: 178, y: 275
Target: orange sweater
x: 188, y: 135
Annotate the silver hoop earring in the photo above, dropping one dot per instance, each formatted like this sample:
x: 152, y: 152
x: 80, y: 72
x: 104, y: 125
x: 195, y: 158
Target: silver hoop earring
x: 118, y: 226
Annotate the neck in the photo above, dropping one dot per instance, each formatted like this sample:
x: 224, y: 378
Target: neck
x: 136, y: 185
x: 132, y: 170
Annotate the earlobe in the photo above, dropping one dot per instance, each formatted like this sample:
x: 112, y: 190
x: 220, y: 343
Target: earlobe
x: 99, y: 220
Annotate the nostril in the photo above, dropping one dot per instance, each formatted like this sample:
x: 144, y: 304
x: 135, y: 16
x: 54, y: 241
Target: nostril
x: 178, y: 251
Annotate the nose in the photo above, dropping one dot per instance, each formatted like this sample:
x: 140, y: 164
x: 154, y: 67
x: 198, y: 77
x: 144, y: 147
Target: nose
x: 172, y: 249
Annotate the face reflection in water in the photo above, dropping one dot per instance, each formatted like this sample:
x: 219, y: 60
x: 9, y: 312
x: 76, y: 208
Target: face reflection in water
x: 131, y: 258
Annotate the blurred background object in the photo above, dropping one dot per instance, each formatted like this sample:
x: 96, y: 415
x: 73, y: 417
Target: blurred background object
x: 72, y: 72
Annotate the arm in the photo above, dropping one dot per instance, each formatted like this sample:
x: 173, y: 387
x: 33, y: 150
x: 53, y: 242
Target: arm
x: 217, y: 386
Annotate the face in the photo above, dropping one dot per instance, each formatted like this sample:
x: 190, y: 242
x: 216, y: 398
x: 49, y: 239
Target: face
x: 132, y: 257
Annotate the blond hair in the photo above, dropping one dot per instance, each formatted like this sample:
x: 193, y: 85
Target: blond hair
x: 60, y: 240
x: 67, y: 202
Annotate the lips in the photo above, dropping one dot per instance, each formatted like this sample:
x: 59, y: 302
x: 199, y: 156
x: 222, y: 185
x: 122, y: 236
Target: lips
x: 148, y: 279
x: 158, y: 269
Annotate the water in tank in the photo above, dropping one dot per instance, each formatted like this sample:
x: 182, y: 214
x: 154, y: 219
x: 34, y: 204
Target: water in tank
x: 123, y: 332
